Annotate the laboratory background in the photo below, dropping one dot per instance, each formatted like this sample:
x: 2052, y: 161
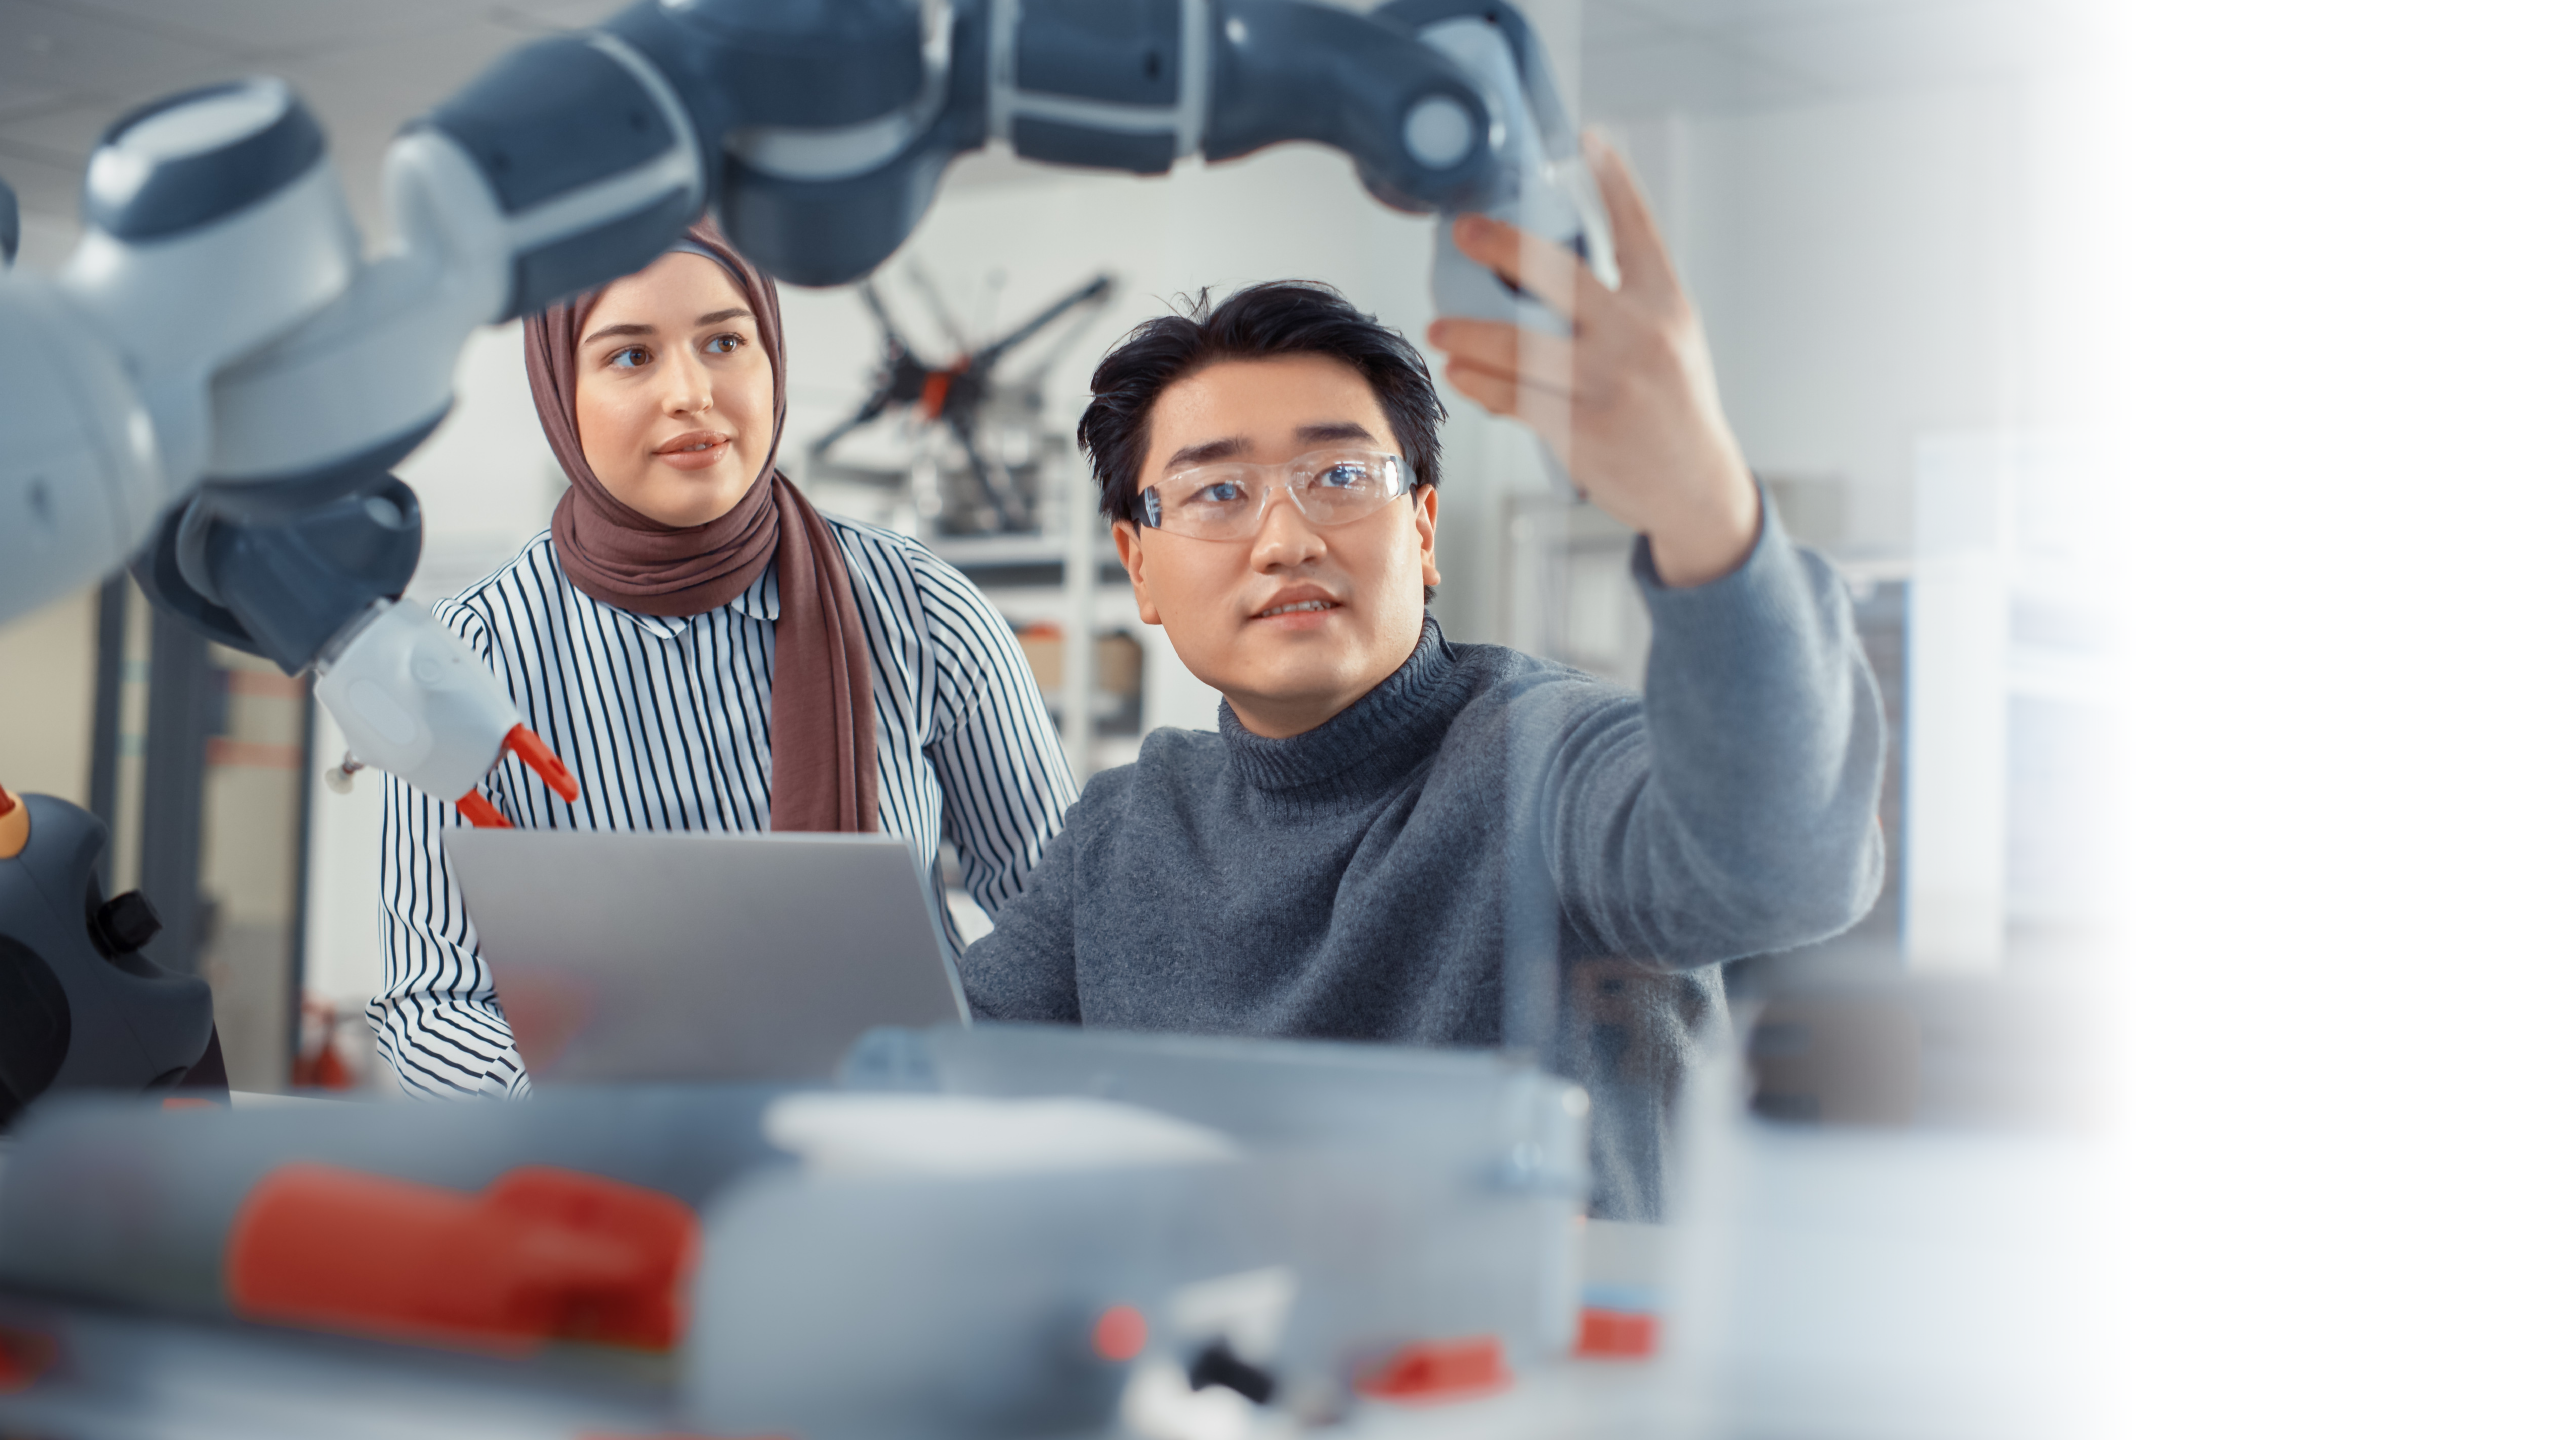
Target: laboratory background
x: 1959, y: 264
x: 1887, y: 217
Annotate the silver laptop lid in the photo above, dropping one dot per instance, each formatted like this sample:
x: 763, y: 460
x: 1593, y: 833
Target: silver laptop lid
x: 686, y: 955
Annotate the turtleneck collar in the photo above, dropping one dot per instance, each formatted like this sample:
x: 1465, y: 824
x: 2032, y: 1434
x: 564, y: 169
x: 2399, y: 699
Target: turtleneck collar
x: 1393, y: 725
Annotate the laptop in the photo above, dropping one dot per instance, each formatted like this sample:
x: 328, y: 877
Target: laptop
x: 690, y: 955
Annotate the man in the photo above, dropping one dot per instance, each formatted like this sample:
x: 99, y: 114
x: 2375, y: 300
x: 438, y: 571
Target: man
x: 1390, y: 835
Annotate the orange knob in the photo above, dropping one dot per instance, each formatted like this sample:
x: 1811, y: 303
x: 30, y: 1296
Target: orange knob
x: 13, y: 825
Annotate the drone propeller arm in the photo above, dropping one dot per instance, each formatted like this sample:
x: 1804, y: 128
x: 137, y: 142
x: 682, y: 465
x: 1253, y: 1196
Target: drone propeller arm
x: 870, y: 410
x: 999, y: 492
x: 1093, y: 291
x: 889, y: 332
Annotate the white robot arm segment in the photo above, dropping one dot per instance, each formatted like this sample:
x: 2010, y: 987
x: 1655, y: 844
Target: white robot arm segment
x: 80, y: 477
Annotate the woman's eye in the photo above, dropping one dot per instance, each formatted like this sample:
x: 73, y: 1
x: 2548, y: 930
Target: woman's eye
x: 629, y: 357
x: 724, y: 344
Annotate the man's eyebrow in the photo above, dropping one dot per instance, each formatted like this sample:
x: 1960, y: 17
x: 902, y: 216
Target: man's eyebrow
x: 1207, y: 450
x: 1333, y: 430
x: 1232, y: 446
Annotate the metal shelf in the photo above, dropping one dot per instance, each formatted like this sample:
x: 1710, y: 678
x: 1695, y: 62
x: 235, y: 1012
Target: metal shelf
x: 1001, y: 562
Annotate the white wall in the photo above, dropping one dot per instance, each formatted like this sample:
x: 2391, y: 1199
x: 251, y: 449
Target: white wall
x: 1876, y: 270
x: 47, y: 664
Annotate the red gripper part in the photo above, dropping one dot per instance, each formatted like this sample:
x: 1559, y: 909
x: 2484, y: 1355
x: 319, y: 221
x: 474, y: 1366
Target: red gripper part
x: 542, y: 1254
x: 538, y: 758
x: 475, y: 807
x: 1440, y: 1370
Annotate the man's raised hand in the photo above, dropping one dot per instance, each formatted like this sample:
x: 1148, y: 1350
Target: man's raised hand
x: 1629, y: 403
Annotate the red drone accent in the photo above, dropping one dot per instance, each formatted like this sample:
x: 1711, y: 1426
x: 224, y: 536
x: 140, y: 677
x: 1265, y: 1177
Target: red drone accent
x: 937, y: 388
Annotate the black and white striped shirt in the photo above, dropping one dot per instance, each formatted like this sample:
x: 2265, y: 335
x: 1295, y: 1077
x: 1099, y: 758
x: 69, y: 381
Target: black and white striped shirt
x: 667, y: 725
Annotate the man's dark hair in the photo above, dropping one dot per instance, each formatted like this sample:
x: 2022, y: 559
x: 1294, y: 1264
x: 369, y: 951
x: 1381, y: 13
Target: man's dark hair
x: 1259, y: 322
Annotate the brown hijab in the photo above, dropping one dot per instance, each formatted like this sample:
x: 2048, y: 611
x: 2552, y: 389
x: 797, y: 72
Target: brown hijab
x: 825, y: 771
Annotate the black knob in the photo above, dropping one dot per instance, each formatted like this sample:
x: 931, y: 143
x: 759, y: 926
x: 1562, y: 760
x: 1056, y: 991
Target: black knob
x: 127, y: 922
x: 1219, y: 1365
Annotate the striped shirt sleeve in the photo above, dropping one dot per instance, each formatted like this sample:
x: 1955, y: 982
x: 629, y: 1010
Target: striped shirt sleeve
x: 1004, y: 777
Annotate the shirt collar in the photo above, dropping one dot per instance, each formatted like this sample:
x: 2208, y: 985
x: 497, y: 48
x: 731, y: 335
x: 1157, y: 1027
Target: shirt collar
x: 759, y: 601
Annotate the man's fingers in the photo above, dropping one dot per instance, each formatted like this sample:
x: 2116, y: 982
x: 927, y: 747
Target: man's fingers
x: 1548, y: 271
x: 1496, y: 393
x: 1536, y: 358
x: 1547, y: 413
x: 1644, y: 262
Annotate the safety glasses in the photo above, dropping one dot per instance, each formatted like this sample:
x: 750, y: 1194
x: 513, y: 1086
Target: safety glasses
x: 1228, y: 500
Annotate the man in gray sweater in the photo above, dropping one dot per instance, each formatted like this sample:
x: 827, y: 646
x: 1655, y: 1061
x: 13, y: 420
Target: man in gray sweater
x: 1396, y: 838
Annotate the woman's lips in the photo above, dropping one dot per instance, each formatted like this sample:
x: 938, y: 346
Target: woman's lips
x: 699, y: 451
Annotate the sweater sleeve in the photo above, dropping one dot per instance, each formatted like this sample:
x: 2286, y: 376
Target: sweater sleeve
x: 437, y: 1019
x: 1025, y: 968
x: 1735, y: 813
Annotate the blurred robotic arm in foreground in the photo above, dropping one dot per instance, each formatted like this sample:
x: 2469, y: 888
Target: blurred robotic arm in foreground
x: 218, y: 381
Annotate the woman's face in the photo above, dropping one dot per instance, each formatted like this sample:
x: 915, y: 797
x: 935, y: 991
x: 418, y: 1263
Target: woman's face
x: 675, y: 391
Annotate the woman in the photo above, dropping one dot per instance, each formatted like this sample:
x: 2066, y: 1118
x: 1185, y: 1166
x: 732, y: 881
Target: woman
x: 705, y: 650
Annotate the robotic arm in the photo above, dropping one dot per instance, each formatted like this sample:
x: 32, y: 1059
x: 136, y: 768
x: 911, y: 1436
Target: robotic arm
x: 221, y: 379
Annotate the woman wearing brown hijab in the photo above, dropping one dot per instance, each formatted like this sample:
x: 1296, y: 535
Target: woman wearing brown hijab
x: 705, y: 650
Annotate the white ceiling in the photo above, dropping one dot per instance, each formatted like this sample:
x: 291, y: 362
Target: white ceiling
x: 69, y: 67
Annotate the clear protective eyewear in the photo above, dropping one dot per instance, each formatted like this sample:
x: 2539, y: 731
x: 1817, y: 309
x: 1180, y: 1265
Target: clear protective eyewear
x: 1228, y: 500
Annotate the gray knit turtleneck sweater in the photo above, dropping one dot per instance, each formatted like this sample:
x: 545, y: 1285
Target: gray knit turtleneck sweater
x: 1483, y: 817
